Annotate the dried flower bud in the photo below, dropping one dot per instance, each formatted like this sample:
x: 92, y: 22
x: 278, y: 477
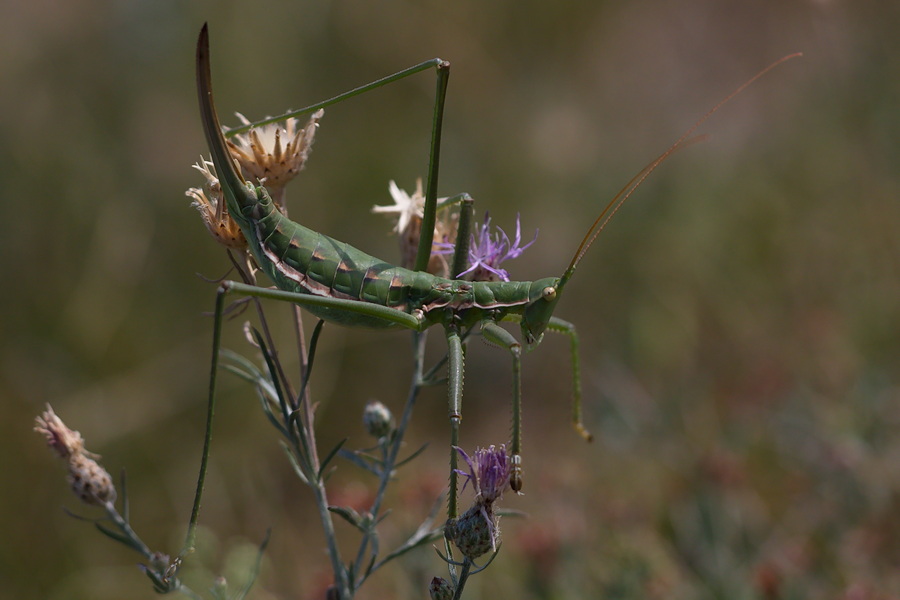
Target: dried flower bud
x: 88, y: 479
x: 210, y: 201
x: 59, y: 437
x: 476, y: 532
x: 440, y: 589
x: 378, y: 419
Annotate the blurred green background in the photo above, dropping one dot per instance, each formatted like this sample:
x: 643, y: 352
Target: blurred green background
x: 739, y: 318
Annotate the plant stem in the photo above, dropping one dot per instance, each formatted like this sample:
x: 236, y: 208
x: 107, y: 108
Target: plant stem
x: 393, y: 451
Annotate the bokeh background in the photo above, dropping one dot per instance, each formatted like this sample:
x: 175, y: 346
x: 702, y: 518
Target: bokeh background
x: 739, y: 318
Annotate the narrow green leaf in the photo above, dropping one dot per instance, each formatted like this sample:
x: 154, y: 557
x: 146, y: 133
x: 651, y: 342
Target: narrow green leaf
x: 351, y: 516
x: 490, y: 560
x: 266, y: 403
x: 241, y: 362
x: 331, y: 455
x: 424, y: 534
x: 413, y: 542
x: 411, y: 456
x: 310, y: 358
x: 359, y: 461
x: 386, y: 514
x: 273, y: 379
x: 296, y: 465
x: 119, y: 537
x: 254, y: 574
x: 371, y: 566
x: 123, y: 493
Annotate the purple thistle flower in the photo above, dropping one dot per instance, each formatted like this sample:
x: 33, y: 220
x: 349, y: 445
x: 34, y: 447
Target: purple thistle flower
x: 489, y: 471
x: 478, y: 530
x: 487, y: 250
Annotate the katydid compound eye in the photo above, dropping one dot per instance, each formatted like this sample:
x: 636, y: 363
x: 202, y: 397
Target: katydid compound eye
x: 549, y: 293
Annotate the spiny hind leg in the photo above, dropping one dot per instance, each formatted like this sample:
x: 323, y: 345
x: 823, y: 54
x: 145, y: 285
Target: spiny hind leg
x: 495, y: 334
x: 442, y: 69
x: 455, y: 375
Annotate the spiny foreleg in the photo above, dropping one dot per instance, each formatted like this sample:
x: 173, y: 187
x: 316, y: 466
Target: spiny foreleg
x: 564, y: 327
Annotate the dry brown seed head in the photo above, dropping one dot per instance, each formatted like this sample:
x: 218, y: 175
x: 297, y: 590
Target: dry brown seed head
x: 273, y: 154
x: 210, y: 202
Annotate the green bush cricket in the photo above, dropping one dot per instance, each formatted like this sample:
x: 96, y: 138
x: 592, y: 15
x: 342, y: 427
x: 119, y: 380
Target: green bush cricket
x: 339, y: 283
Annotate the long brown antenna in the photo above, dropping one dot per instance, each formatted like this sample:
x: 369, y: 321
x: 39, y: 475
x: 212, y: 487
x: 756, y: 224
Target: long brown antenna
x: 683, y: 142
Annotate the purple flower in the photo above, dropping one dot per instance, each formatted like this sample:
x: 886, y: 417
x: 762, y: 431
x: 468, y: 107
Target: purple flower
x: 477, y: 531
x: 489, y: 471
x: 487, y: 250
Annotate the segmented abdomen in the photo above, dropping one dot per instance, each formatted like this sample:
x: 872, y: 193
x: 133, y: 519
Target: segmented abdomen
x: 302, y: 260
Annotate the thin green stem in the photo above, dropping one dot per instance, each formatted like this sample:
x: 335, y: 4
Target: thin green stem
x: 138, y: 544
x: 126, y: 529
x: 341, y: 579
x: 463, y: 577
x: 393, y: 451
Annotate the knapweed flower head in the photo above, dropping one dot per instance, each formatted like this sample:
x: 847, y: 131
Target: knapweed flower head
x: 488, y: 249
x: 210, y: 201
x: 88, y: 479
x: 489, y: 470
x: 477, y: 531
x: 410, y: 210
x: 273, y: 154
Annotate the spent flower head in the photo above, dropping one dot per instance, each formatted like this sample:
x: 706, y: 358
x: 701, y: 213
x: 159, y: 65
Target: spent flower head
x: 273, y: 154
x: 488, y: 249
x: 88, y: 479
x: 410, y: 210
x: 210, y: 201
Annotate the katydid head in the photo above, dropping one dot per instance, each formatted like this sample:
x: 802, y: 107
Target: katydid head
x: 542, y: 298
